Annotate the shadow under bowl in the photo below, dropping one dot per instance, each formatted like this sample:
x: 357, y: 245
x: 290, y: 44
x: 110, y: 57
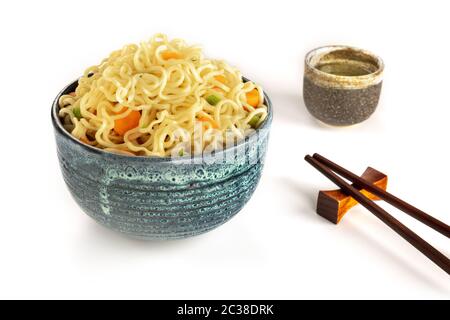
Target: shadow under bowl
x: 160, y: 198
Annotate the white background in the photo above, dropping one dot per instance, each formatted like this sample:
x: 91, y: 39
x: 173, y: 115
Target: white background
x: 276, y: 247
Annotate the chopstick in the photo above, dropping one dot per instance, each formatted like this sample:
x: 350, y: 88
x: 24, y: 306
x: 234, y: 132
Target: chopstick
x: 406, y: 233
x: 423, y: 217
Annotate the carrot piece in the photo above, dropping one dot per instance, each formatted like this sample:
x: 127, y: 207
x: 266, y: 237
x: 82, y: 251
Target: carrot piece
x: 131, y: 121
x: 253, y: 98
x: 73, y: 94
x: 221, y: 79
x: 83, y: 139
x: 167, y: 55
x: 212, y: 121
x: 86, y: 140
x: 218, y: 90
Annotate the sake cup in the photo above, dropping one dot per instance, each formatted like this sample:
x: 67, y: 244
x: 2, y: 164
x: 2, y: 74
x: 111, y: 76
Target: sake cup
x: 342, y: 84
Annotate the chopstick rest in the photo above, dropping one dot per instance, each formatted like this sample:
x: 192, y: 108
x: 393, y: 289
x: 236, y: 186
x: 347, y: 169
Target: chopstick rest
x: 400, y: 204
x: 328, y: 169
x: 334, y: 204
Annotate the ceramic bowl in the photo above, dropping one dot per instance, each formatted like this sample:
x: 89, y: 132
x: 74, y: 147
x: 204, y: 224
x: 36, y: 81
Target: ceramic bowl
x: 341, y: 84
x: 160, y: 198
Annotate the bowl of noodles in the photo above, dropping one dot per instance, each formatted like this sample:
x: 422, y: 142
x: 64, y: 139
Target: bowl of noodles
x: 159, y: 142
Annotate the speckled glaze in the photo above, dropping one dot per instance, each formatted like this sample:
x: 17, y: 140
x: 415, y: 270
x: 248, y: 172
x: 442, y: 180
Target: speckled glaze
x: 159, y: 198
x: 340, y: 100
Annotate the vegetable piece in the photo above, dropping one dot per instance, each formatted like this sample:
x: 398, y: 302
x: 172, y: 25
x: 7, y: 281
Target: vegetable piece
x: 221, y: 79
x: 167, y: 55
x: 218, y: 90
x: 213, y: 99
x: 253, y: 98
x: 254, y: 121
x: 77, y: 112
x: 210, y: 120
x: 131, y: 121
x: 85, y: 140
x: 73, y: 94
x: 181, y: 152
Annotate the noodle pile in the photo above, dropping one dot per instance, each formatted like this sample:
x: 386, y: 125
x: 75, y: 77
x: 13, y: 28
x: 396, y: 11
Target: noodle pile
x: 162, y: 98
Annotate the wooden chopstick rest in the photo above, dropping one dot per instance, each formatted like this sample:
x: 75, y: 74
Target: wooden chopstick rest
x: 334, y: 204
x: 333, y: 171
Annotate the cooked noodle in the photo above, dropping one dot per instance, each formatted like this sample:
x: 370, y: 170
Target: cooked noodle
x: 162, y: 98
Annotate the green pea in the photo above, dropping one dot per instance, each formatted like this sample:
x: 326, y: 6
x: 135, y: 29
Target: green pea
x: 254, y: 121
x: 77, y: 112
x: 213, y: 99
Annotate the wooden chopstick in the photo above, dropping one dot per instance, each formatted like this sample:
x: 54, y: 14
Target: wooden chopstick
x: 406, y: 233
x: 423, y: 217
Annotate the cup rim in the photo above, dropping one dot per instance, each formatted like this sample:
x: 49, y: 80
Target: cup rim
x: 372, y: 77
x: 57, y: 125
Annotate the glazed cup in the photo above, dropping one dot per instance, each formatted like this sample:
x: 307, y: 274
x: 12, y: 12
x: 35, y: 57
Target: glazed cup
x: 160, y: 198
x: 342, y: 98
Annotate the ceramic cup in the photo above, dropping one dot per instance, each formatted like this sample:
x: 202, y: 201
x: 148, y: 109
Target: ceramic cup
x: 342, y: 84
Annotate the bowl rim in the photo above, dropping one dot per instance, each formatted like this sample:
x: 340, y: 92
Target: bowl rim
x: 58, y: 127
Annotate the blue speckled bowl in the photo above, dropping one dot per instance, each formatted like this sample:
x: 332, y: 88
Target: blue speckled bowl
x: 159, y: 198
